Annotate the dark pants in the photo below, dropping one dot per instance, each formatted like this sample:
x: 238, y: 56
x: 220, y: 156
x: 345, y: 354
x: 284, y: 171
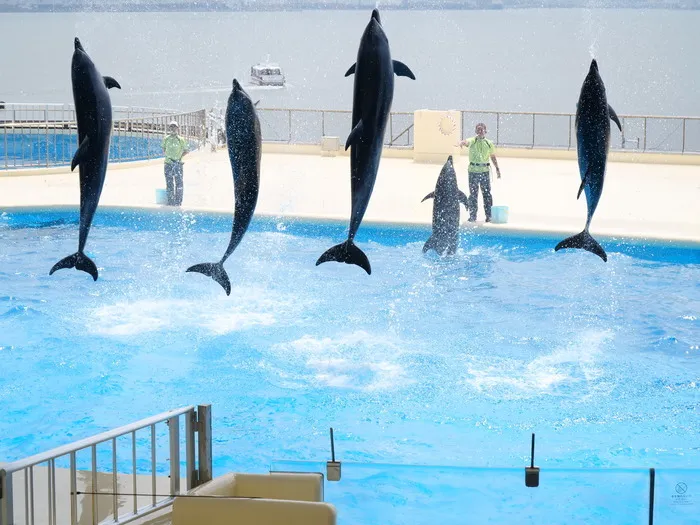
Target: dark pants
x: 173, y: 183
x: 476, y: 180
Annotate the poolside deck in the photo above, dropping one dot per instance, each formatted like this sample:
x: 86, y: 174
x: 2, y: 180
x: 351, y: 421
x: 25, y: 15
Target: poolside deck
x: 653, y: 201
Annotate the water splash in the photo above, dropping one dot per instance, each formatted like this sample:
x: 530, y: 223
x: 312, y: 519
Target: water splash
x: 357, y: 361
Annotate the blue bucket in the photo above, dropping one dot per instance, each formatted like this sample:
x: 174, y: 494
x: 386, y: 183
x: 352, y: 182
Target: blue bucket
x: 499, y: 214
x: 161, y: 196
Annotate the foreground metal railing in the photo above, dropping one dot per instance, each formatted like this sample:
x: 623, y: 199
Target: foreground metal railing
x: 44, y: 135
x: 47, y: 501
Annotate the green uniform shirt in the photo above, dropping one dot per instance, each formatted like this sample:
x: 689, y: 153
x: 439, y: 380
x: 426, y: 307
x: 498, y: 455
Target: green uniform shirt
x: 175, y: 147
x: 480, y: 151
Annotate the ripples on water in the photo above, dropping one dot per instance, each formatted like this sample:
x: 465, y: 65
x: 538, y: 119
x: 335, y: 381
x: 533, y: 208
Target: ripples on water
x: 427, y: 361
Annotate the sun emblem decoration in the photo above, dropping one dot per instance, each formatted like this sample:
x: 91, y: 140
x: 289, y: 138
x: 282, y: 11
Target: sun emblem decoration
x: 447, y: 125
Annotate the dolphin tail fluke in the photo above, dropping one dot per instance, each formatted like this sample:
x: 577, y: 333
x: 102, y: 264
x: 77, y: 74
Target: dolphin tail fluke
x: 348, y: 253
x: 583, y: 241
x: 215, y: 271
x: 79, y: 261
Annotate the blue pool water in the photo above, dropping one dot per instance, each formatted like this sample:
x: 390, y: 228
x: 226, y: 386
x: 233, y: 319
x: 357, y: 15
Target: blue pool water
x: 37, y: 149
x: 426, y: 361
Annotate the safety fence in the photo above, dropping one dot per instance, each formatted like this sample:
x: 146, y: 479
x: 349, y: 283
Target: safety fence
x: 45, y: 135
x: 119, y: 475
x: 642, y: 133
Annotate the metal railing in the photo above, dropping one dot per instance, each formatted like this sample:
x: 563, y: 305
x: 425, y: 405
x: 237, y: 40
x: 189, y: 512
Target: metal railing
x: 44, y: 135
x: 37, y: 500
x: 308, y: 126
x: 643, y: 133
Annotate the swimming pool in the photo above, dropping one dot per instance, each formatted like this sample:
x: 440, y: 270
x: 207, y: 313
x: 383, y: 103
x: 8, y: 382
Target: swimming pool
x: 36, y: 148
x: 427, y: 361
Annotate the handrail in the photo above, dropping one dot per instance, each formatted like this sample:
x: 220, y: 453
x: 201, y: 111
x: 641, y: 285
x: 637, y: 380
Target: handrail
x: 93, y: 440
x: 198, y: 465
x: 397, y: 137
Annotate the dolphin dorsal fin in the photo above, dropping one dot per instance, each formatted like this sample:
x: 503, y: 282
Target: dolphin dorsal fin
x: 613, y: 117
x: 351, y: 71
x: 111, y: 83
x: 402, y: 70
x: 430, y: 195
x: 79, y: 156
x: 355, y: 135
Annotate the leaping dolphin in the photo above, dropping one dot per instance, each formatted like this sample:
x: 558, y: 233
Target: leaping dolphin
x: 93, y: 110
x: 593, y: 115
x: 373, y: 93
x: 448, y: 196
x: 244, y: 151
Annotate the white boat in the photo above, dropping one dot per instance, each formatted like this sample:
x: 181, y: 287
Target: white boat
x: 267, y: 74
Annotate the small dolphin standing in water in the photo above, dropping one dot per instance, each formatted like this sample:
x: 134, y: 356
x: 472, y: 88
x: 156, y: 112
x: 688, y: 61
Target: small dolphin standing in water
x: 593, y: 115
x: 448, y: 196
x: 93, y: 110
x: 244, y: 151
x: 373, y: 93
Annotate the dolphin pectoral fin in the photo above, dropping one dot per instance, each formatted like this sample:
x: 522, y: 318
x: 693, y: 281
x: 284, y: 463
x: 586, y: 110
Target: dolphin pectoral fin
x: 613, y: 117
x: 348, y: 253
x: 430, y: 195
x: 355, y: 135
x: 351, y: 71
x: 111, y: 83
x: 464, y: 200
x: 584, y: 181
x: 79, y: 261
x: 430, y: 244
x: 402, y: 70
x: 214, y: 270
x: 584, y: 241
x: 256, y: 103
x: 81, y: 153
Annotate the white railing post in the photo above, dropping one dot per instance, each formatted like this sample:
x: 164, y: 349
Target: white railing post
x: 190, y: 424
x: 174, y: 435
x: 6, y: 515
x: 204, y: 442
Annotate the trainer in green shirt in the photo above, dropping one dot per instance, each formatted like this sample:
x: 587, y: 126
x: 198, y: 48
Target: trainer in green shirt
x: 174, y: 146
x: 481, y: 151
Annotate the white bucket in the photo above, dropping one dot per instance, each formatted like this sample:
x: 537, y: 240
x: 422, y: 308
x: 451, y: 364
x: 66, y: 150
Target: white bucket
x: 161, y: 196
x: 499, y: 214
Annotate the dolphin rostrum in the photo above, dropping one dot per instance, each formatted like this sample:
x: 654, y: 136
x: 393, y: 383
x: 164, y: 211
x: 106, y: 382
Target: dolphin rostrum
x: 373, y: 93
x: 93, y: 110
x: 593, y: 115
x: 244, y: 151
x: 447, y: 197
